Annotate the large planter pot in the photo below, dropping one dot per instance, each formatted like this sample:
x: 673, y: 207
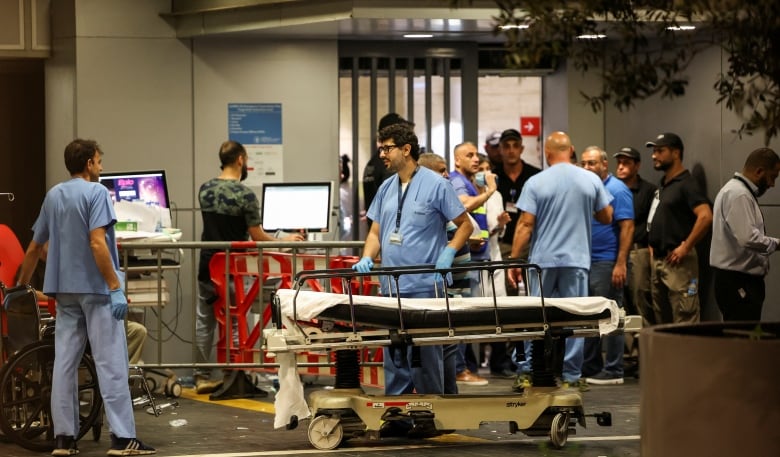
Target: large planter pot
x: 710, y: 389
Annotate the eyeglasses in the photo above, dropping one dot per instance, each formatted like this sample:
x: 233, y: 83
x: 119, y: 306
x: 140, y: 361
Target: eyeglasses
x: 589, y: 163
x: 387, y: 148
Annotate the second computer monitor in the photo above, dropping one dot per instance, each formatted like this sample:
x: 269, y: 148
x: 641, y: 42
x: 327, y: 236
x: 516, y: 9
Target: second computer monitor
x: 292, y: 207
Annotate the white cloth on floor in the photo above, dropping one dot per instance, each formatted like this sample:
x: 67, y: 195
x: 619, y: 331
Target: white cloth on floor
x: 289, y: 400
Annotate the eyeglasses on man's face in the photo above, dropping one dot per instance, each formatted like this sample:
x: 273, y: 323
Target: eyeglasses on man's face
x: 387, y: 148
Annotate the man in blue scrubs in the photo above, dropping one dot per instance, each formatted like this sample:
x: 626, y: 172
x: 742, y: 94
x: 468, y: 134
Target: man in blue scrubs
x: 410, y: 214
x: 557, y: 206
x: 82, y: 273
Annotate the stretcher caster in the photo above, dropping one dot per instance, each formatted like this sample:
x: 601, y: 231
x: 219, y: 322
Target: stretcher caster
x: 151, y: 383
x: 325, y: 433
x: 559, y: 430
x: 172, y: 389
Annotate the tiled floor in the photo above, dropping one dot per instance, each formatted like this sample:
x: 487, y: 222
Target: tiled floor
x: 239, y: 428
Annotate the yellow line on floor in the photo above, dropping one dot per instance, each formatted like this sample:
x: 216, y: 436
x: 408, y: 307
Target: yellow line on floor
x: 242, y: 403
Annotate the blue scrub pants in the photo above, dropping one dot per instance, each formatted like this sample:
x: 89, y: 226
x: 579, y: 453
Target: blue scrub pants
x: 81, y: 317
x: 401, y: 378
x: 560, y: 282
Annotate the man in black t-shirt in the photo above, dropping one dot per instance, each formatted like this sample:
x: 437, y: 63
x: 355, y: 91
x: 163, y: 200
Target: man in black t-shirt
x: 512, y: 175
x: 231, y: 212
x: 679, y: 218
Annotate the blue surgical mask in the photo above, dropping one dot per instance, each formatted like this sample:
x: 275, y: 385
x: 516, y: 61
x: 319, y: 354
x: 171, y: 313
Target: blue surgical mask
x: 479, y: 178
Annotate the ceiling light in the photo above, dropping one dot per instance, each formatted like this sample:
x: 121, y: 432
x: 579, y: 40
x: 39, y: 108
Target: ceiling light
x: 594, y: 36
x: 513, y: 26
x: 418, y: 35
x: 677, y: 28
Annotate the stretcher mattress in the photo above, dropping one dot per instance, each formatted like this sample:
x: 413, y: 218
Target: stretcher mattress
x: 417, y: 313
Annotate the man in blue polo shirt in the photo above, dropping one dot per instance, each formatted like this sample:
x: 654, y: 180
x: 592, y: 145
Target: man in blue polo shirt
x: 608, y: 268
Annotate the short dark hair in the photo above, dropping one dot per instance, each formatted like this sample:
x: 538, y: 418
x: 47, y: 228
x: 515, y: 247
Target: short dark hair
x: 77, y: 154
x: 401, y: 134
x: 229, y: 152
x: 762, y: 158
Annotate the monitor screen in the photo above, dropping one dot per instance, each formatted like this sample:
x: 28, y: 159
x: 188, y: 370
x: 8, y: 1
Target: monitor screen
x: 149, y: 187
x: 131, y: 190
x: 296, y: 206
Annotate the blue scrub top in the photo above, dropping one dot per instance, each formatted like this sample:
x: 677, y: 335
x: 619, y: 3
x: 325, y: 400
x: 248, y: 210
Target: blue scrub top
x: 70, y: 211
x: 563, y: 198
x: 430, y: 202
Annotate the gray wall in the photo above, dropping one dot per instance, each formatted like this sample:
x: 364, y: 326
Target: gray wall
x: 120, y: 76
x: 711, y: 147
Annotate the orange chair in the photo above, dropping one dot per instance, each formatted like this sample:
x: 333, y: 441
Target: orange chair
x: 11, y: 255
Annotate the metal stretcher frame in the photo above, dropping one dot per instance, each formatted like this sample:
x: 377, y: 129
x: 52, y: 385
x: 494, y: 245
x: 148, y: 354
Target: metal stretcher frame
x: 355, y: 321
x: 346, y: 411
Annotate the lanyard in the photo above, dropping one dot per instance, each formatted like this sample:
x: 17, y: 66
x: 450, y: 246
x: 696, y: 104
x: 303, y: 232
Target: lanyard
x: 750, y: 189
x: 401, y: 198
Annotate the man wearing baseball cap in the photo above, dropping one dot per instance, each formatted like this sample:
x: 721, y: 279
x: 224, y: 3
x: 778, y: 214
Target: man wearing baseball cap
x: 637, y: 297
x: 679, y: 218
x: 493, y: 150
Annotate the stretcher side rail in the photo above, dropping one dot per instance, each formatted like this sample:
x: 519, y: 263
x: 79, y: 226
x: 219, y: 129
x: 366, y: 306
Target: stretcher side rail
x: 396, y: 272
x: 348, y: 323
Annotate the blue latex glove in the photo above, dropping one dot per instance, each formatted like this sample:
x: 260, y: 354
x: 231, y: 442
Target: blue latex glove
x: 444, y: 261
x: 364, y: 266
x: 118, y: 304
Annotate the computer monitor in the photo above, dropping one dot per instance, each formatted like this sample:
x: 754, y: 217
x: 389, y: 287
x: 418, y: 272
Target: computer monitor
x: 293, y: 207
x: 140, y: 195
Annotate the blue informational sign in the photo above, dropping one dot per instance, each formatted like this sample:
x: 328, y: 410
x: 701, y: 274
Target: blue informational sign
x: 255, y: 123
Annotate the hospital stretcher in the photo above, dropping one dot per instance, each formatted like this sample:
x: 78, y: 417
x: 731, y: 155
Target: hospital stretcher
x: 345, y: 323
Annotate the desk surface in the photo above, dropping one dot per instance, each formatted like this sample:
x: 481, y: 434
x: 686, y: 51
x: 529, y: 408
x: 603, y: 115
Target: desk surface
x: 169, y: 234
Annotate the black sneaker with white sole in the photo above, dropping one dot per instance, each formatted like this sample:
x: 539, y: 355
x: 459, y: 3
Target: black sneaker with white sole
x: 129, y: 446
x: 66, y: 445
x: 605, y: 378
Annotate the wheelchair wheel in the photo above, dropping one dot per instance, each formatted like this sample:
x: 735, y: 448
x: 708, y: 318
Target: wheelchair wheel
x: 25, y: 396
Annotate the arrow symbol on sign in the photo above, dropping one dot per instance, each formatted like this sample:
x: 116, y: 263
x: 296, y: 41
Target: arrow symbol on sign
x: 529, y: 126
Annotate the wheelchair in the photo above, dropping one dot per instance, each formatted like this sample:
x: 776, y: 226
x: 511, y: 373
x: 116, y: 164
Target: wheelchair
x: 27, y: 349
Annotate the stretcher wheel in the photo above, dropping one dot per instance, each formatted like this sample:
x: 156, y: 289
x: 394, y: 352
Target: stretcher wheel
x: 173, y: 389
x: 559, y: 430
x: 325, y: 433
x: 151, y: 383
x: 25, y: 396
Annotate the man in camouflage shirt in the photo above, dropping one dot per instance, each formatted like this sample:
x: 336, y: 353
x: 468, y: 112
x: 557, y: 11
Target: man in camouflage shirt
x: 231, y: 212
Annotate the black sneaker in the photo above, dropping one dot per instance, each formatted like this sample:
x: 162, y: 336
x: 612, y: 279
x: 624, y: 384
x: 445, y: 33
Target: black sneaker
x: 129, y: 446
x: 66, y: 445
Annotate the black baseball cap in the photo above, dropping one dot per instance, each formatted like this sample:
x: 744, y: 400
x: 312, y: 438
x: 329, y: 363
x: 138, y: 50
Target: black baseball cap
x: 510, y: 134
x: 670, y: 140
x: 629, y: 152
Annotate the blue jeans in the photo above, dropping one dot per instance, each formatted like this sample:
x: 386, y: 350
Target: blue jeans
x: 600, y: 285
x: 560, y: 282
x: 401, y: 378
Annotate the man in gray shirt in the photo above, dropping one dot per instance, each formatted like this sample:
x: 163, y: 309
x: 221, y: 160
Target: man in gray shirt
x: 740, y: 247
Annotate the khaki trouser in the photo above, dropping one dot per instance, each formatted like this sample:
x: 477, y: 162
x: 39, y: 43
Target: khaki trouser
x: 675, y: 290
x: 638, y: 285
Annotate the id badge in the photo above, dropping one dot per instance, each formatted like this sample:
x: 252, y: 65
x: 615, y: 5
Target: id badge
x: 396, y: 238
x: 510, y: 207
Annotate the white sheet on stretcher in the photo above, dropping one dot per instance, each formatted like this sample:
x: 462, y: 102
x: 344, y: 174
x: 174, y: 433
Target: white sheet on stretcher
x: 290, y: 398
x: 310, y: 304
